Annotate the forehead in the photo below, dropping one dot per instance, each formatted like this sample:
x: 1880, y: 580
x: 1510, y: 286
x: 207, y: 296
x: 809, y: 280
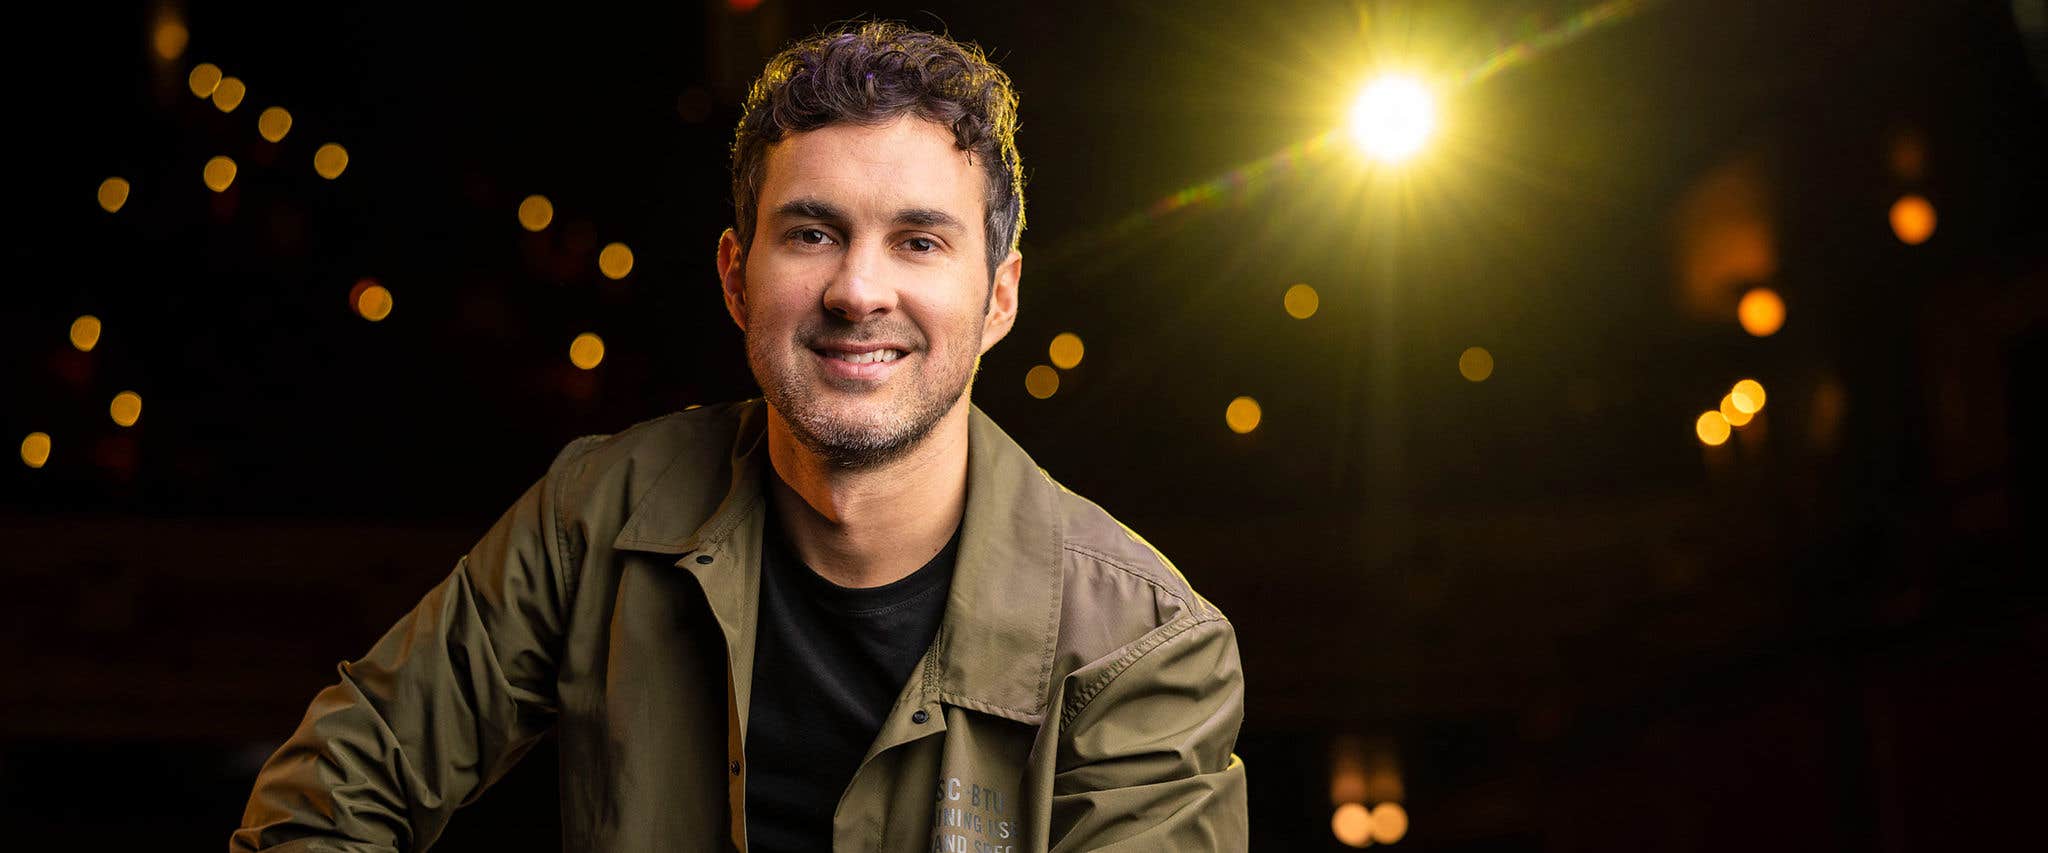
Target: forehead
x: 874, y: 171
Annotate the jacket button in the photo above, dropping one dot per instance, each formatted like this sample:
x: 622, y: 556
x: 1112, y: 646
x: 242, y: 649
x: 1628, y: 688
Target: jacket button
x: 919, y: 716
x: 704, y: 559
x: 734, y: 767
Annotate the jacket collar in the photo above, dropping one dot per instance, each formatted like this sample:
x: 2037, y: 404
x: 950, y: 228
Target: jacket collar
x: 994, y: 651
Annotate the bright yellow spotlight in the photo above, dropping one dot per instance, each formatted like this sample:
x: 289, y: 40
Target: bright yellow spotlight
x: 1393, y: 117
x: 536, y: 212
x: 35, y: 449
x: 1352, y: 824
x: 113, y: 194
x: 85, y: 333
x: 126, y: 408
x: 586, y: 351
x: 329, y: 160
x: 1711, y: 428
x: 1301, y: 301
x: 1066, y: 350
x: 274, y: 123
x: 1243, y: 415
x: 1732, y: 411
x: 1041, y: 381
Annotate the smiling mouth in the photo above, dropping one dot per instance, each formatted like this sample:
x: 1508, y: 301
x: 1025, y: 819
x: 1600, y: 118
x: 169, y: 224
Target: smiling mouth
x: 870, y: 357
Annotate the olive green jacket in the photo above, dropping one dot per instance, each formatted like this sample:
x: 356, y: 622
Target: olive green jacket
x: 1078, y: 695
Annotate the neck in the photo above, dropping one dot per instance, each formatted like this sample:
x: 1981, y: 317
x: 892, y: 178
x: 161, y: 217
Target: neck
x: 870, y: 526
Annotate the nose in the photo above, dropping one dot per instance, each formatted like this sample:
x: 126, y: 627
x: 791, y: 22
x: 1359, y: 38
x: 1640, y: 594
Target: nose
x: 858, y: 291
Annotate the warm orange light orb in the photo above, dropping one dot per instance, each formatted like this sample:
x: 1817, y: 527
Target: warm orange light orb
x: 536, y: 212
x: 205, y: 78
x: 1475, y: 364
x: 1711, y: 428
x: 615, y: 261
x: 1389, y: 823
x: 373, y: 301
x: 113, y: 194
x: 274, y: 123
x: 1761, y: 312
x: 1352, y: 824
x: 1242, y: 415
x: 1301, y: 301
x: 1041, y: 381
x: 85, y: 333
x: 1913, y: 219
x: 35, y: 449
x: 1066, y: 350
x: 228, y: 94
x: 1748, y: 396
x: 1733, y: 413
x: 126, y: 408
x: 219, y: 173
x: 586, y: 351
x: 330, y: 160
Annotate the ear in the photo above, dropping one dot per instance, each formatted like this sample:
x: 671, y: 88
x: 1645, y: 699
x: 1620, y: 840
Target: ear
x: 1002, y: 301
x: 732, y: 276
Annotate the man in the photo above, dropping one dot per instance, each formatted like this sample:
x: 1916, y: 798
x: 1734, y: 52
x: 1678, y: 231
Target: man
x: 851, y: 616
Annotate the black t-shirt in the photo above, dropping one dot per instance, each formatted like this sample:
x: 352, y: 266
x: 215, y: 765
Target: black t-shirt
x: 829, y: 662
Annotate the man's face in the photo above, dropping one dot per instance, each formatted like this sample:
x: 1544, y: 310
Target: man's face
x: 865, y: 296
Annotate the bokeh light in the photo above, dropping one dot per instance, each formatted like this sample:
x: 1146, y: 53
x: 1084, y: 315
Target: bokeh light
x: 205, y: 78
x: 1913, y: 219
x: 126, y: 408
x: 170, y: 38
x: 1066, y: 350
x: 1301, y: 301
x: 1711, y: 428
x: 113, y: 194
x: 1352, y: 824
x: 274, y: 123
x: 330, y: 160
x: 228, y: 95
x: 1242, y: 415
x: 1389, y: 823
x: 371, y: 301
x: 1749, y: 395
x: 35, y: 449
x: 615, y: 261
x: 1041, y: 381
x: 536, y: 212
x: 1761, y: 312
x: 1475, y: 364
x: 219, y: 173
x: 1392, y: 118
x: 85, y: 333
x: 1734, y: 414
x: 586, y: 351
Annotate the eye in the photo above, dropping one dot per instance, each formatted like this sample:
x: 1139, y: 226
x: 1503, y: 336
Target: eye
x: 921, y: 245
x: 811, y: 236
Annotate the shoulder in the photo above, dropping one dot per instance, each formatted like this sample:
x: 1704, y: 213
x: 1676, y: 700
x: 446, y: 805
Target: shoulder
x: 1118, y: 590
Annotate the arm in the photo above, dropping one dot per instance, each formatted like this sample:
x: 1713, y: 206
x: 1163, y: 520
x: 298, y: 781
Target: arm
x: 1146, y: 764
x: 441, y: 707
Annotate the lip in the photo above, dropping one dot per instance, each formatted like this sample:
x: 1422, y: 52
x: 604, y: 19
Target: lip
x: 871, y: 372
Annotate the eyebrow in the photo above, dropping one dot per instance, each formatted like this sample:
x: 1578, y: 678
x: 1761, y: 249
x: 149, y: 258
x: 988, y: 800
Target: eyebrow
x: 819, y: 209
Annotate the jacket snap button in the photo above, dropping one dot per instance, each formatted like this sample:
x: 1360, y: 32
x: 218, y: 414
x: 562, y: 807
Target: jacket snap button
x: 919, y: 716
x: 734, y: 767
x: 703, y: 559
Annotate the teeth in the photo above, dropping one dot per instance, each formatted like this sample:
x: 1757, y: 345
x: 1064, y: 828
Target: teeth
x: 868, y: 357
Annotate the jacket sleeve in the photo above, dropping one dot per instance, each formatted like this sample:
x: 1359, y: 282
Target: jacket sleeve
x: 1146, y: 764
x: 441, y: 706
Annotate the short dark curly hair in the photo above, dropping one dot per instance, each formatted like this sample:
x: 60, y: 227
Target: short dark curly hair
x: 872, y: 73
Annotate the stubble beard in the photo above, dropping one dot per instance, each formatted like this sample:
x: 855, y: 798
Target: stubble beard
x: 793, y: 387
